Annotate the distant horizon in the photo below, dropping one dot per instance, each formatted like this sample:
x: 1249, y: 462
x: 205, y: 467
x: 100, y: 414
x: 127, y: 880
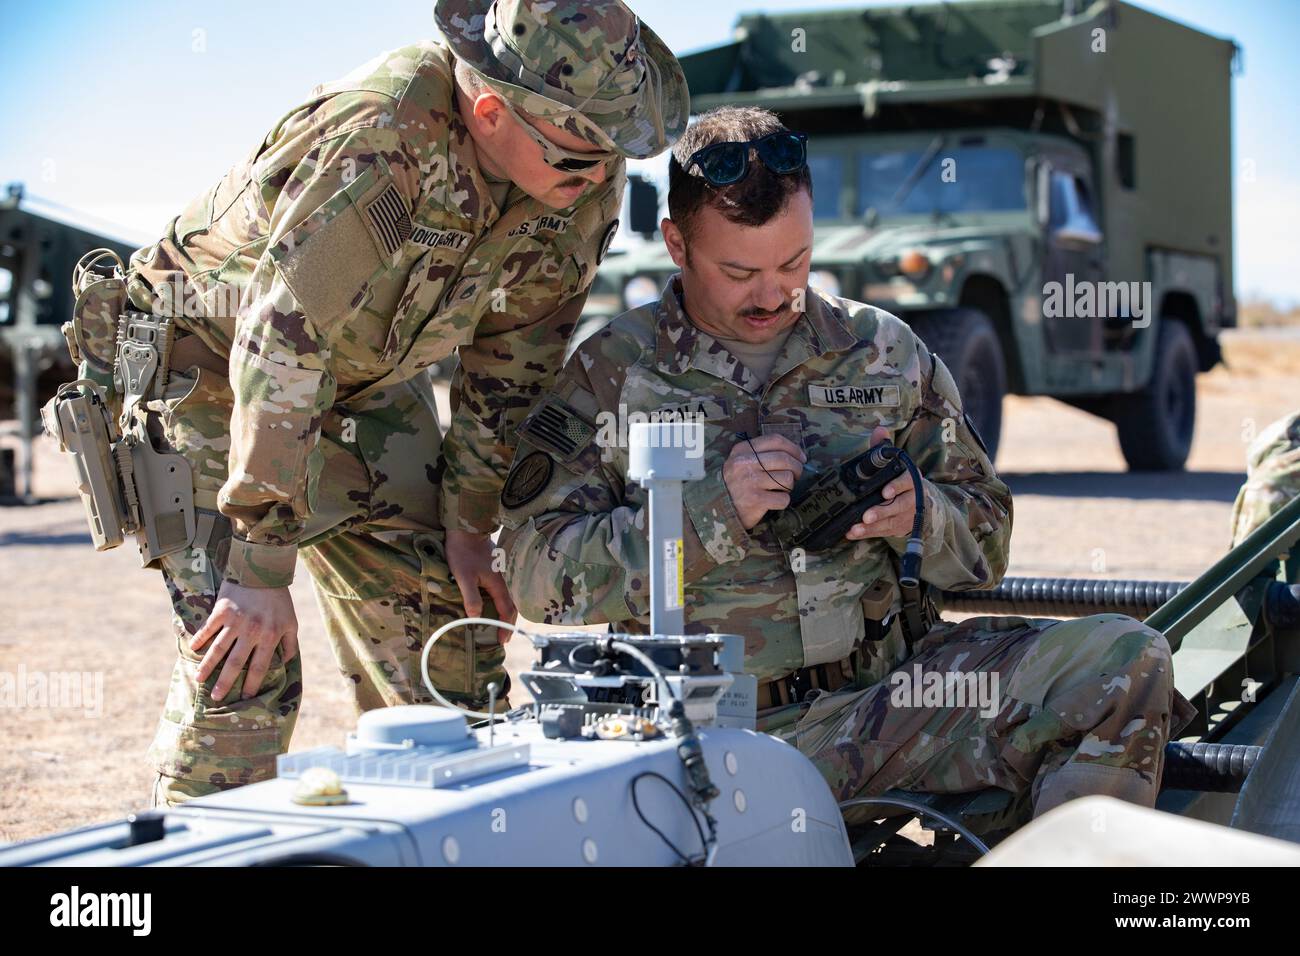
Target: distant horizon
x: 177, y: 97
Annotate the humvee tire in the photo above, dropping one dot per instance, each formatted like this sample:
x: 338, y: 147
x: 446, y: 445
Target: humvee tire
x: 968, y: 344
x: 1156, y: 424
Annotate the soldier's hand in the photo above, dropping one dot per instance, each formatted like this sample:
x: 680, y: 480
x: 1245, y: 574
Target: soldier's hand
x: 245, y: 627
x: 469, y: 556
x: 893, y: 517
x: 761, y: 474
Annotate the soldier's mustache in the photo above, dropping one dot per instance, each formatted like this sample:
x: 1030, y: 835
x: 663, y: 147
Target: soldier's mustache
x: 762, y: 313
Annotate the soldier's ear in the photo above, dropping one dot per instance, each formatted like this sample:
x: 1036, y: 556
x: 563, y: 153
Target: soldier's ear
x: 490, y: 113
x: 675, y: 242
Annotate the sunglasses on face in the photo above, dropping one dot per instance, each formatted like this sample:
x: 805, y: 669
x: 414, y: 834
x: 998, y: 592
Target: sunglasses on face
x: 725, y: 163
x: 557, y: 157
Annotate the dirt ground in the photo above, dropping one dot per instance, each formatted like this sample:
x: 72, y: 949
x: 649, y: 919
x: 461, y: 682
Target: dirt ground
x: 65, y: 608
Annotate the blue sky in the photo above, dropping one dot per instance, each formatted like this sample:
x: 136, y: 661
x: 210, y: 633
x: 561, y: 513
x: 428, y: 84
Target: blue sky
x: 124, y: 109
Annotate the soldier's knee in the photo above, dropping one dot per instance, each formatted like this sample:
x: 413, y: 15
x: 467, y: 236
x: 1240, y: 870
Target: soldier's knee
x: 1133, y: 665
x: 1108, y: 653
x: 1120, y: 639
x: 1136, y: 649
x: 1156, y: 667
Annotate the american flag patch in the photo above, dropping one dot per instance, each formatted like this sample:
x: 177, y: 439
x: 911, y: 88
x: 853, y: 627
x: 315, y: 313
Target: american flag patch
x: 390, y: 223
x: 559, y: 429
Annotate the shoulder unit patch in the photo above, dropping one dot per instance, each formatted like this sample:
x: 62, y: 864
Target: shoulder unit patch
x: 606, y: 241
x: 527, y: 479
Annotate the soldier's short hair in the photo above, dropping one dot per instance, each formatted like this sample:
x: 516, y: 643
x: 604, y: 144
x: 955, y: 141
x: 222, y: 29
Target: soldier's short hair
x: 753, y: 200
x: 473, y: 85
x: 470, y: 82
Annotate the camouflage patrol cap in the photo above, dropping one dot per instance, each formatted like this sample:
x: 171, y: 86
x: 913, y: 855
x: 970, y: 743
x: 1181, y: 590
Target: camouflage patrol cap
x: 590, y: 67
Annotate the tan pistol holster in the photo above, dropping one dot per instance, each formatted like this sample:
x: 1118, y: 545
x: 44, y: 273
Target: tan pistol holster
x: 126, y: 485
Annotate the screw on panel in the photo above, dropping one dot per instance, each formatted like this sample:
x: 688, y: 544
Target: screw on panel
x: 731, y: 763
x: 580, y: 809
x: 739, y: 800
x: 589, y: 850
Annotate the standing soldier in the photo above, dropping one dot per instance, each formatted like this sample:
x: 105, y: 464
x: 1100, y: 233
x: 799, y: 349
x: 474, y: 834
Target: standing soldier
x: 452, y: 196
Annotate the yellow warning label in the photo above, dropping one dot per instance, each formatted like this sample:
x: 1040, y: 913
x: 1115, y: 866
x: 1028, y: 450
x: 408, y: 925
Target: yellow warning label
x: 674, y: 578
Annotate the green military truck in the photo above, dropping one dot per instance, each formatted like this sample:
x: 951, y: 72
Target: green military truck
x: 1042, y: 189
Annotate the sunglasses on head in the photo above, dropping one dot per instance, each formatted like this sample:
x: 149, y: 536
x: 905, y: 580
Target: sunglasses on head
x: 557, y: 157
x: 725, y: 163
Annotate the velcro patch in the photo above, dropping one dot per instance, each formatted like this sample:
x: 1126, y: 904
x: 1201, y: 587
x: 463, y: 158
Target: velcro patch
x: 454, y: 239
x: 837, y: 396
x: 328, y: 267
x: 556, y: 427
x: 793, y: 431
x: 701, y: 410
x: 388, y: 219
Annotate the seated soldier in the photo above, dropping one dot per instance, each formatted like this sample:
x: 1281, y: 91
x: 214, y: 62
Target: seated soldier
x: 790, y: 382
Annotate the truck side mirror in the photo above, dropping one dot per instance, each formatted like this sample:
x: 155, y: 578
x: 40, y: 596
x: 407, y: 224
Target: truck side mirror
x: 642, y: 206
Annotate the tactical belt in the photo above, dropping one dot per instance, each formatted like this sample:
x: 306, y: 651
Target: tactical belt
x: 793, y: 688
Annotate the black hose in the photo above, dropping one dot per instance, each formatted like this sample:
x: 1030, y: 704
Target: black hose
x: 1212, y: 768
x: 1065, y: 597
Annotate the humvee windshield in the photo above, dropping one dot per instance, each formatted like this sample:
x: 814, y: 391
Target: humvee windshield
x: 925, y: 181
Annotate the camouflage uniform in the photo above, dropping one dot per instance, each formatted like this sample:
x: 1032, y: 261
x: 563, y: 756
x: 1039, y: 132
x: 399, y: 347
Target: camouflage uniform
x: 364, y: 245
x: 1272, y: 476
x: 1084, y: 706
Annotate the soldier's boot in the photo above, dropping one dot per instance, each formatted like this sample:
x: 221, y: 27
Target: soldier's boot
x: 382, y: 594
x: 204, y: 746
x: 1105, y: 688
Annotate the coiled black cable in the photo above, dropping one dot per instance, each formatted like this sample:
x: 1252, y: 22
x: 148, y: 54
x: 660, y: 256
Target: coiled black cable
x: 1065, y: 597
x: 1211, y: 768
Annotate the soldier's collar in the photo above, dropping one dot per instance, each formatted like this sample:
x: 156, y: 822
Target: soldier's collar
x: 681, y: 345
x: 826, y: 320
